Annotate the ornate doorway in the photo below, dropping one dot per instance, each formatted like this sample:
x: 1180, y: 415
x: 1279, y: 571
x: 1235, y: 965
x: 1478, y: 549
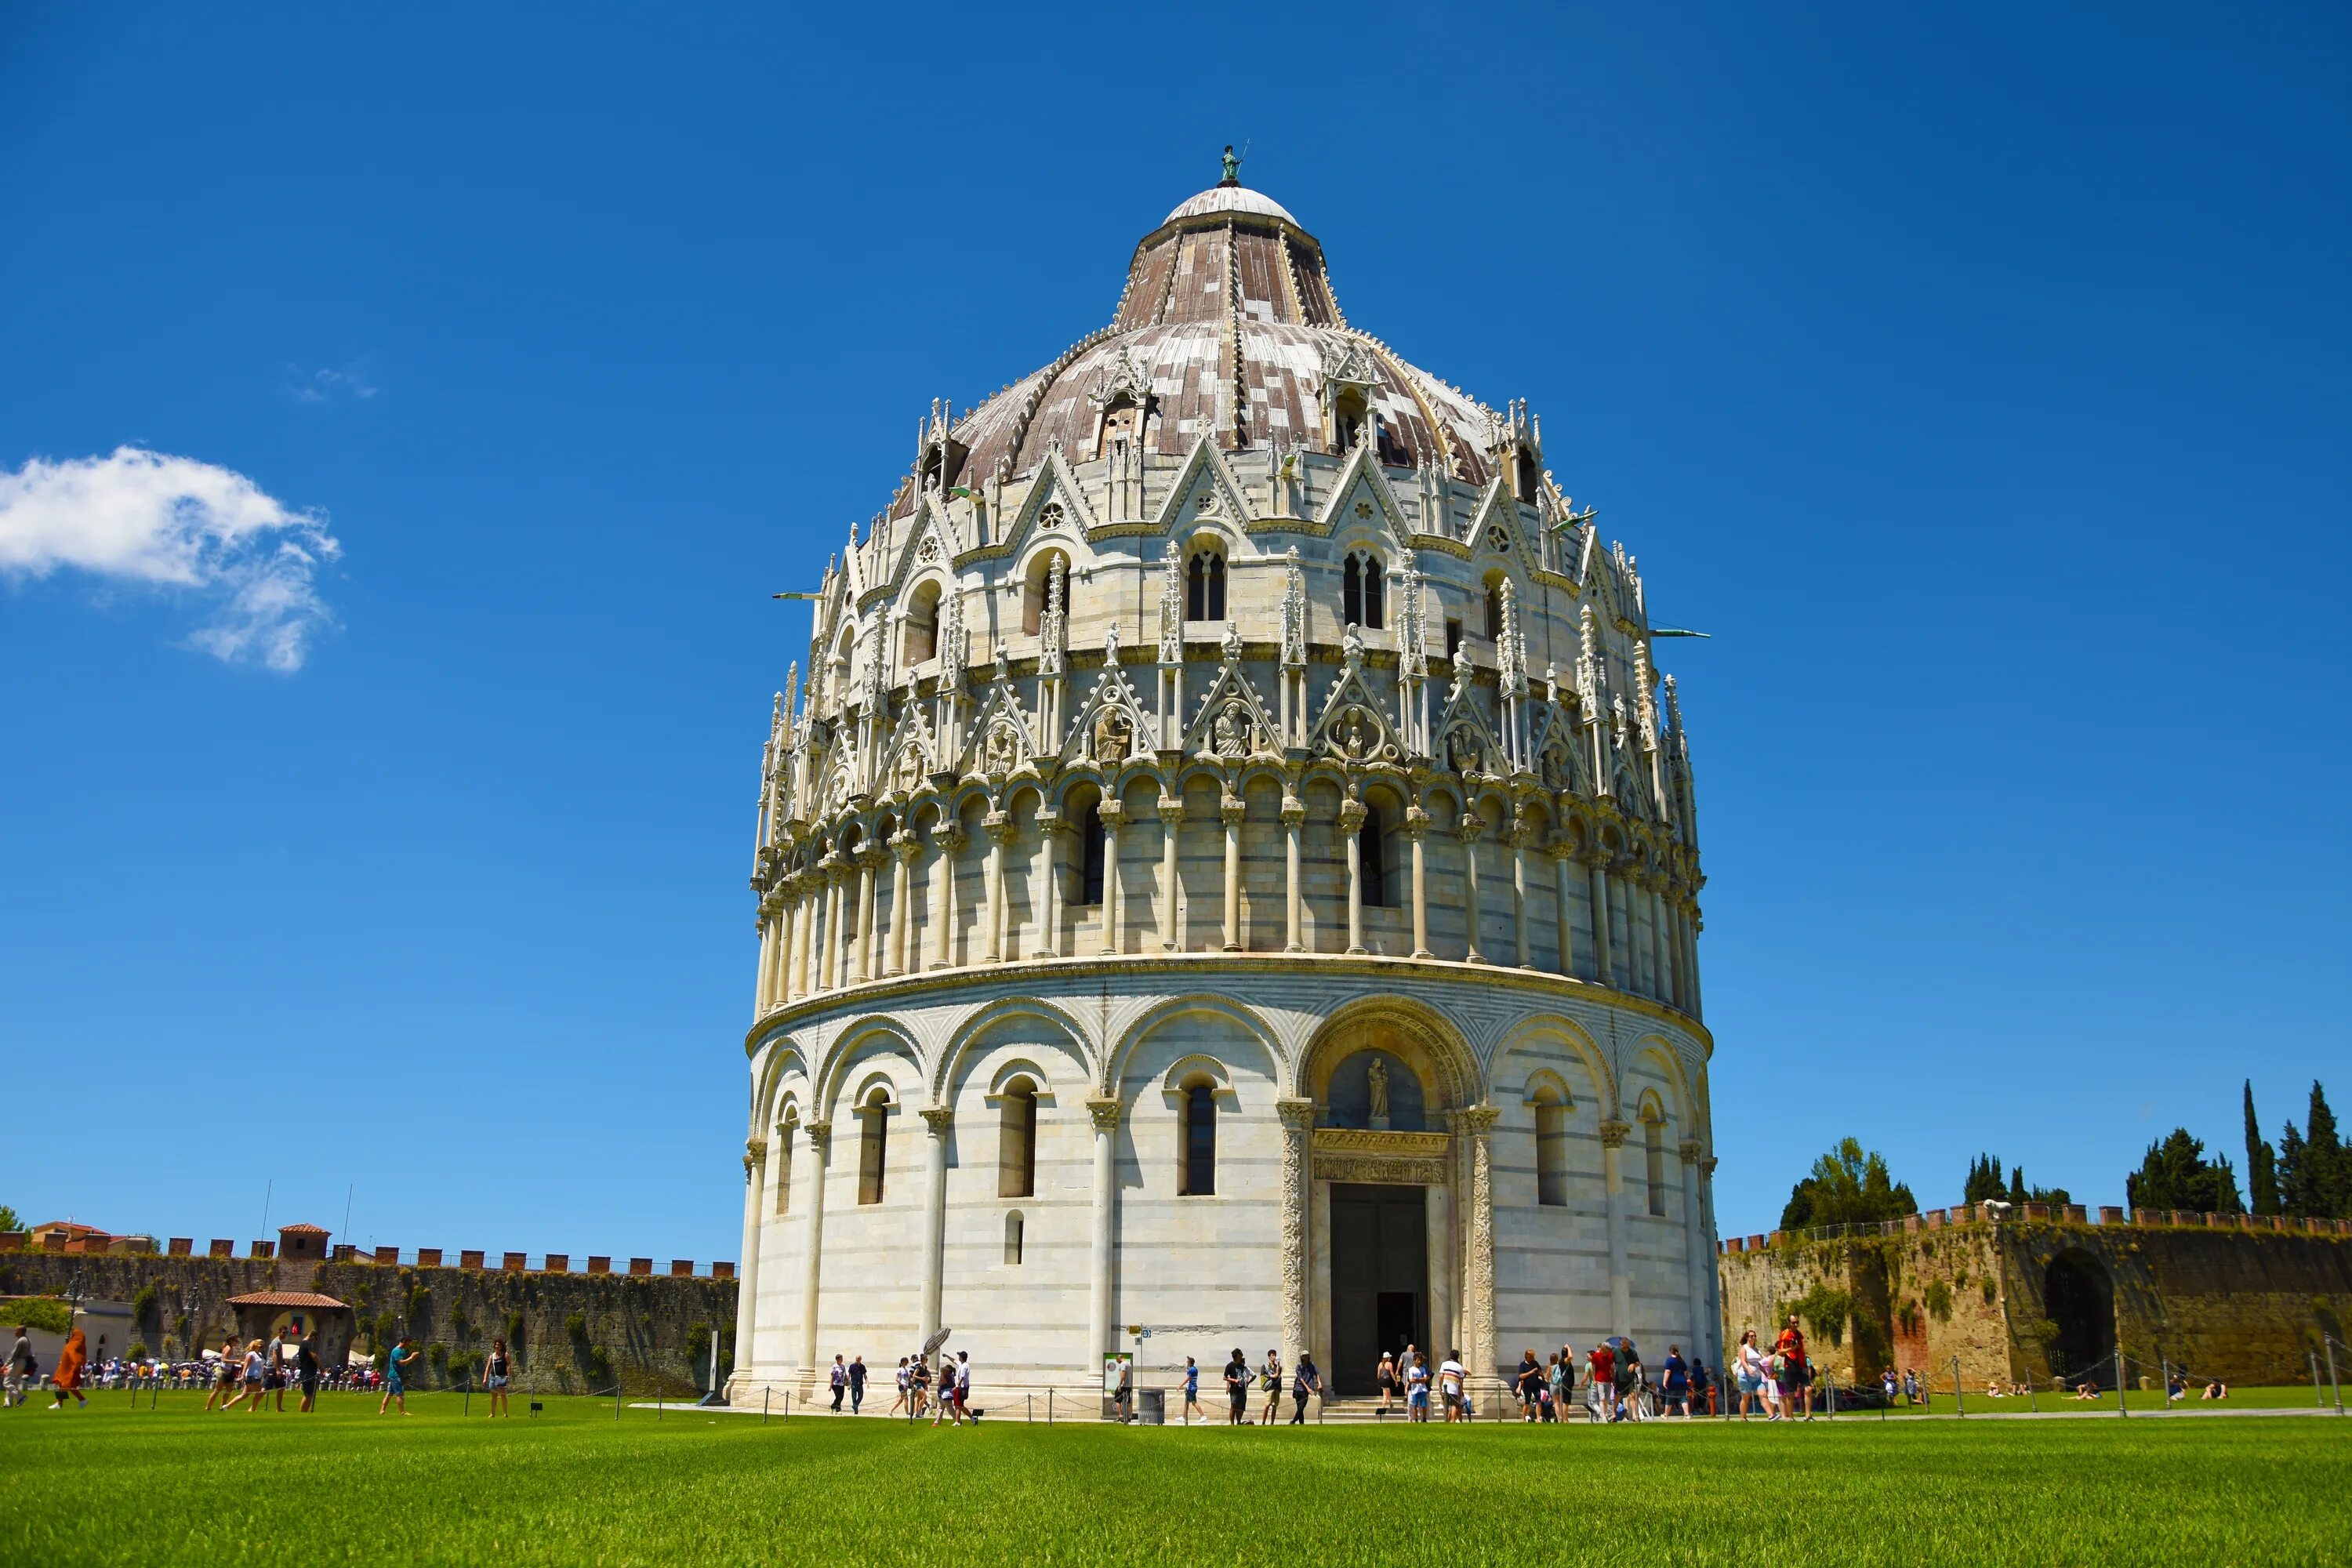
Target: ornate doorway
x: 1379, y: 1280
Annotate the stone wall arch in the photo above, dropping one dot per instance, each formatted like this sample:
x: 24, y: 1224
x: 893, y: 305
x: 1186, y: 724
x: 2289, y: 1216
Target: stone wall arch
x: 1414, y: 1034
x: 1522, y: 1049
x: 863, y: 1041
x: 1160, y: 1016
x: 982, y: 1032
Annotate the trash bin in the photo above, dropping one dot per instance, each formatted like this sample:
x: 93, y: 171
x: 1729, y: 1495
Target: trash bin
x: 1154, y: 1412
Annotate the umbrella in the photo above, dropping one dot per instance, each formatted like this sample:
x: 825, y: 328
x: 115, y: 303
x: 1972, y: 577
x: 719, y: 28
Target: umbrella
x: 931, y: 1346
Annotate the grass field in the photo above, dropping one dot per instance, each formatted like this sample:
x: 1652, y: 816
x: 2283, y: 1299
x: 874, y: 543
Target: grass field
x: 115, y: 1484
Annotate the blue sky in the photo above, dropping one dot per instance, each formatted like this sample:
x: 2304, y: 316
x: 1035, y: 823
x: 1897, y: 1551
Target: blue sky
x: 1978, y: 376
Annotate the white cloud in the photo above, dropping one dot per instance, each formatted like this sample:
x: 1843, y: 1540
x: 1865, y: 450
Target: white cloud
x: 325, y: 385
x: 181, y: 526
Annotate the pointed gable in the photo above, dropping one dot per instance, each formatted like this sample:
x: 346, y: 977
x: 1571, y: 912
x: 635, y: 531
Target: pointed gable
x: 1205, y: 491
x: 1361, y: 494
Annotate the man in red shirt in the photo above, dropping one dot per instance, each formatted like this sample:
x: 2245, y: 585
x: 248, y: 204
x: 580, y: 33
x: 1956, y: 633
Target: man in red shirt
x: 1602, y: 1369
x: 1797, y: 1374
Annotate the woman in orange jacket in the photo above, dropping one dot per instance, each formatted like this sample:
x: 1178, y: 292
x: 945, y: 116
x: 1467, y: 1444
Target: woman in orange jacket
x: 70, y: 1361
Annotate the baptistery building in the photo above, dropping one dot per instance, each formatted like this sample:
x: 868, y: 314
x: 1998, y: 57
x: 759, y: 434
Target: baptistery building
x: 1228, y: 875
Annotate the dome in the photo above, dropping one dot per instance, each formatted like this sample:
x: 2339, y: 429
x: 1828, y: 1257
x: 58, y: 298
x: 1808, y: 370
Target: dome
x: 1229, y: 323
x: 1232, y: 199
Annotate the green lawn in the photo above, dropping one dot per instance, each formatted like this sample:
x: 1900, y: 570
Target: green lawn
x: 115, y: 1484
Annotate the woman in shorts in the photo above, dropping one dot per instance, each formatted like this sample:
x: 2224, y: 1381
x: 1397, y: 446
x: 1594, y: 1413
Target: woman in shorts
x: 1384, y: 1376
x: 249, y: 1374
x: 1270, y: 1374
x: 1747, y: 1370
x: 228, y: 1372
x: 495, y: 1372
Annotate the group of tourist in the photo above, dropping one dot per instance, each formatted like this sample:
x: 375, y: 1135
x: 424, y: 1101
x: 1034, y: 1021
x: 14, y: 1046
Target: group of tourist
x: 945, y: 1394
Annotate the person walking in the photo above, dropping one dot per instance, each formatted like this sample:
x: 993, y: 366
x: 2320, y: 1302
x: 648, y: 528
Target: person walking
x: 1304, y: 1383
x: 73, y: 1360
x: 963, y: 1387
x: 1237, y: 1378
x: 1798, y: 1380
x: 1270, y: 1376
x: 839, y: 1378
x: 1384, y: 1378
x: 224, y: 1372
x: 273, y: 1368
x: 21, y: 1367
x: 396, y: 1363
x: 900, y: 1402
x: 1123, y: 1397
x: 250, y: 1379
x: 1677, y: 1381
x: 1416, y: 1388
x: 1601, y: 1379
x: 1452, y: 1387
x: 1192, y: 1406
x: 496, y: 1374
x: 1557, y: 1388
x: 856, y: 1383
x: 1527, y: 1384
x: 306, y: 1371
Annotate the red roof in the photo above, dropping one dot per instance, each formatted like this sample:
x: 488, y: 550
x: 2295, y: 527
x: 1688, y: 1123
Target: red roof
x: 288, y: 1299
x: 303, y: 1230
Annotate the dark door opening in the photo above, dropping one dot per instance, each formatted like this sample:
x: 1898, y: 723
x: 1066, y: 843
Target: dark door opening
x: 2079, y: 1299
x: 1379, y: 1280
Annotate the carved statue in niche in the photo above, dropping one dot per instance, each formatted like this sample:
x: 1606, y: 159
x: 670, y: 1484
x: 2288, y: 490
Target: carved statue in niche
x: 1377, y: 1077
x: 910, y: 771
x: 1231, y: 734
x: 1462, y: 750
x: 1555, y: 769
x: 1002, y: 752
x: 1114, y: 736
x: 1348, y: 739
x: 1352, y: 644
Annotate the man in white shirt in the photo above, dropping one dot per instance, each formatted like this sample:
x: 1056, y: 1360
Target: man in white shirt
x: 1449, y: 1380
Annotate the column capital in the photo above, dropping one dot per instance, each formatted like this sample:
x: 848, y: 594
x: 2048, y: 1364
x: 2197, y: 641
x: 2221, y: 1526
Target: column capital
x: 1416, y: 821
x: 1690, y: 1151
x: 1706, y: 1168
x: 939, y: 1119
x: 1477, y: 1120
x: 755, y: 1155
x: 1470, y: 827
x: 1112, y: 813
x: 1293, y: 811
x: 820, y: 1136
x: 1561, y: 848
x: 999, y: 827
x: 1050, y: 822
x: 869, y: 854
x: 1171, y: 809
x: 1351, y: 816
x: 1105, y: 1112
x: 1298, y: 1115
x: 1231, y: 810
x: 905, y: 845
x: 949, y: 837
x: 1612, y: 1134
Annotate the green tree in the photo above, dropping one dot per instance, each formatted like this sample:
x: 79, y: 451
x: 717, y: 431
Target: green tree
x: 2019, y: 1192
x: 8, y: 1220
x: 2262, y: 1162
x: 1984, y: 1180
x: 1848, y: 1185
x: 2314, y: 1169
x: 2175, y: 1174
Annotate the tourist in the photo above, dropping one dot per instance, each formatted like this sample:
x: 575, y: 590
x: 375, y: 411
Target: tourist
x: 1238, y: 1374
x: 1452, y: 1386
x: 495, y: 1375
x: 2216, y: 1389
x: 1677, y: 1375
x: 273, y: 1368
x: 225, y: 1373
x: 2086, y: 1391
x: 1600, y: 1378
x: 306, y: 1370
x: 1631, y: 1385
x: 1993, y: 1388
x: 1384, y: 1378
x: 1305, y: 1383
x: 1796, y: 1372
x: 1747, y: 1370
x: 1270, y: 1379
x: 1416, y: 1388
x: 919, y: 1388
x: 250, y: 1378
x: 1554, y: 1397
x: 900, y: 1402
x: 1123, y: 1400
x: 1702, y: 1388
x: 1527, y: 1384
x: 1886, y: 1385
x: 71, y: 1360
x: 21, y: 1368
x: 396, y: 1363
x: 857, y: 1383
x: 839, y: 1378
x: 1910, y: 1385
x: 1191, y: 1405
x: 963, y: 1387
x: 2176, y: 1388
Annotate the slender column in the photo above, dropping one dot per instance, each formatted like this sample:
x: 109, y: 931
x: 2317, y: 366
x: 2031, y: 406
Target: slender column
x: 1297, y: 1128
x: 1172, y: 903
x: 796, y: 962
x: 903, y: 850
x: 1478, y: 1121
x: 1416, y: 828
x: 1000, y: 834
x: 1471, y: 826
x: 1661, y: 942
x: 1519, y: 891
x: 1114, y: 818
x: 788, y: 920
x: 747, y: 1288
x: 1621, y: 1283
x: 1294, y: 814
x: 950, y: 840
x: 1597, y: 883
x: 826, y: 980
x: 1561, y: 852
x: 1691, y: 925
x: 1714, y: 1336
x: 1105, y: 1113
x: 1351, y: 819
x: 938, y: 1121
x: 764, y: 987
x: 1048, y: 905
x: 1698, y: 1247
x: 862, y: 956
x: 820, y: 1142
x: 1231, y: 811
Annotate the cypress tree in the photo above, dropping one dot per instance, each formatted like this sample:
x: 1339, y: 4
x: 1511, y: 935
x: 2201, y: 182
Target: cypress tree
x: 2330, y: 1171
x: 2262, y: 1162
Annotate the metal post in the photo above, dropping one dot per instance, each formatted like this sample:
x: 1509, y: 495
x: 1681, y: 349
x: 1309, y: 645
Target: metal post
x: 2120, y: 1409
x: 763, y: 1407
x: 2030, y: 1403
x: 1049, y: 1407
x: 2328, y: 1342
x: 616, y: 1400
x: 2319, y: 1400
x: 1959, y: 1398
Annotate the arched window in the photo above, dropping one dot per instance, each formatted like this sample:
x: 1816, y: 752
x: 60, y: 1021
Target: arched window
x: 1453, y: 638
x: 784, y: 1130
x: 1373, y: 874
x: 1198, y: 1138
x: 1016, y: 1140
x: 922, y: 640
x: 1118, y: 428
x: 1093, y: 845
x: 873, y: 1145
x: 1653, y: 1139
x: 1204, y: 587
x: 1039, y: 587
x: 1347, y: 417
x: 1552, y: 1148
x: 1361, y: 591
x: 1495, y: 610
x: 1523, y: 475
x: 1013, y: 1229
